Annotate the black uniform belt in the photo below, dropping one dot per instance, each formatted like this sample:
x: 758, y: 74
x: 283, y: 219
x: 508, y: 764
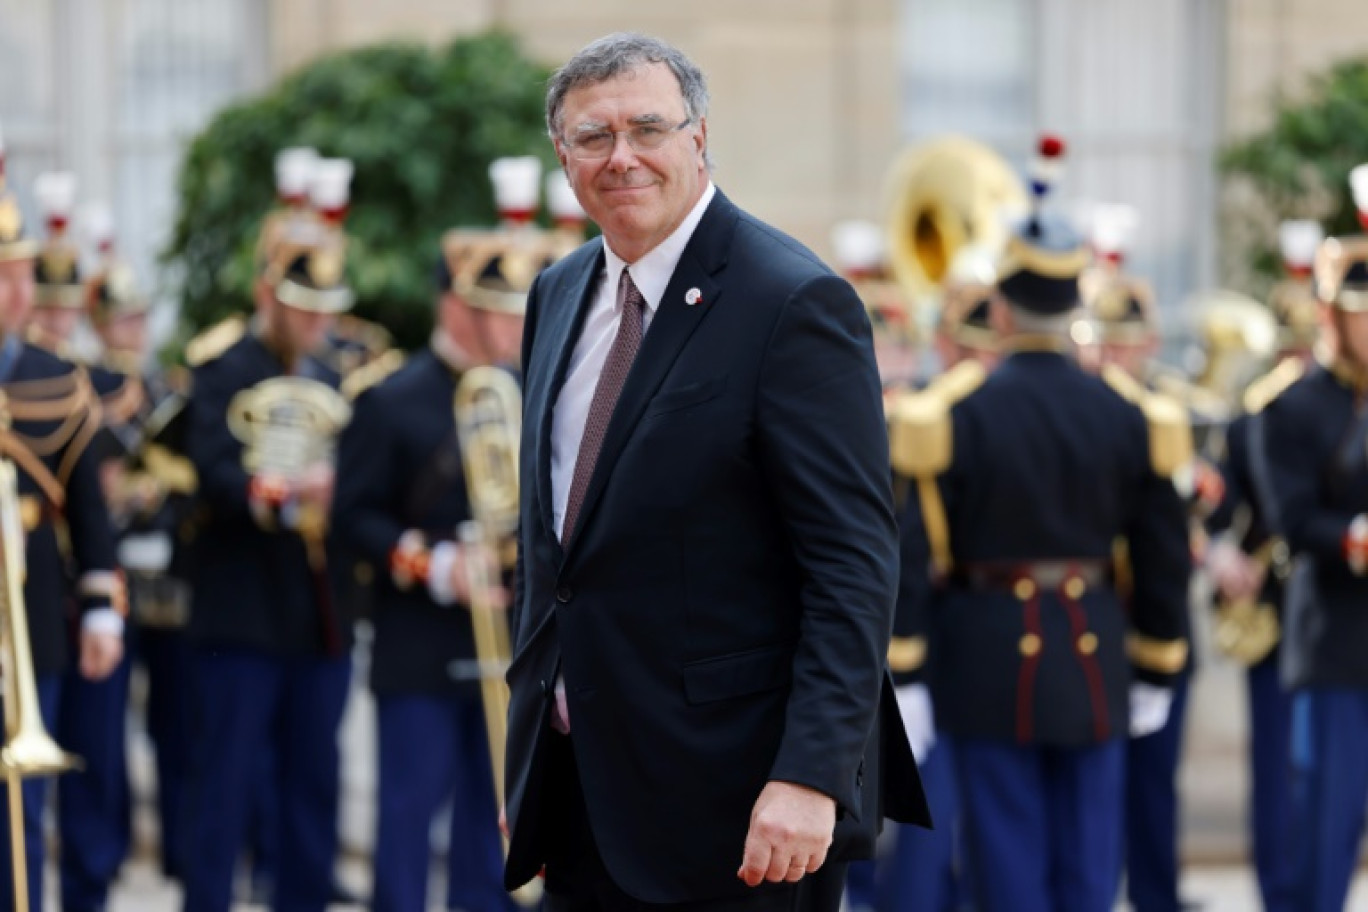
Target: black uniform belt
x: 1046, y: 574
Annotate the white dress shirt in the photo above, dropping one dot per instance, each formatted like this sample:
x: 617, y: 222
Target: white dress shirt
x: 651, y: 274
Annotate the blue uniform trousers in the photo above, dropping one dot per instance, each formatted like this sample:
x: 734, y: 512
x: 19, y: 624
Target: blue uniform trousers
x: 434, y: 748
x: 1270, y: 800
x: 1152, y: 811
x: 166, y: 656
x: 94, y: 806
x: 34, y: 795
x: 249, y: 703
x: 920, y: 869
x: 1042, y: 825
x: 1329, y: 793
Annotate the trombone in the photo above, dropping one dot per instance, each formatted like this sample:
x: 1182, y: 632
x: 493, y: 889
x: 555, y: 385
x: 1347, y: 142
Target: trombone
x: 28, y: 750
x: 488, y: 410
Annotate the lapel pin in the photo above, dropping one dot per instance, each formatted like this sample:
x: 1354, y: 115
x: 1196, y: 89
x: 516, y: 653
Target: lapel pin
x: 692, y: 296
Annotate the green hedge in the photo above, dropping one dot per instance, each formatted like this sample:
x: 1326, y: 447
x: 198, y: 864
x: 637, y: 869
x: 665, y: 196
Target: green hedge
x: 1297, y: 168
x: 421, y: 126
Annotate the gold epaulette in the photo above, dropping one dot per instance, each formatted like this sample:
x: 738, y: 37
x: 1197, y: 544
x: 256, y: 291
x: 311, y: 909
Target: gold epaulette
x: 1170, y: 430
x: 214, y: 341
x: 921, y: 439
x: 1259, y: 394
x: 906, y: 654
x: 921, y: 446
x: 368, y: 375
x: 1161, y: 656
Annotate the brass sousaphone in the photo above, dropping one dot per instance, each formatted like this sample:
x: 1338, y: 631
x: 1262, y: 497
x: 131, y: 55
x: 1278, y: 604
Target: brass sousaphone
x: 946, y: 195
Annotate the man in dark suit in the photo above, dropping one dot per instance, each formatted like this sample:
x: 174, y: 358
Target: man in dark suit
x: 708, y: 557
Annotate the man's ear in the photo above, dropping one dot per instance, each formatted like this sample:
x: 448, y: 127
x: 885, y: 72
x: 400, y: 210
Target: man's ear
x: 702, y: 139
x: 562, y: 157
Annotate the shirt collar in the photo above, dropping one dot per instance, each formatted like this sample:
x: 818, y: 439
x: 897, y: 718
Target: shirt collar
x: 652, y: 272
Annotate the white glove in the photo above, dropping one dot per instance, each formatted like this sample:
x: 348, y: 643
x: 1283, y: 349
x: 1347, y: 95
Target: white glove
x: 919, y: 719
x: 1149, y: 708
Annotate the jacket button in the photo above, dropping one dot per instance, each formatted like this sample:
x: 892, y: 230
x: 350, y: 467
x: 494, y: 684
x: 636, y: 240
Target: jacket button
x: 564, y: 594
x: 546, y: 688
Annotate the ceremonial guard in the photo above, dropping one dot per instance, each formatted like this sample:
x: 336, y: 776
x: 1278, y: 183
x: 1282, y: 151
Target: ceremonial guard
x: 1024, y: 479
x: 1314, y: 471
x: 915, y: 868
x: 1124, y: 318
x: 49, y: 416
x: 149, y: 484
x: 1248, y: 566
x: 271, y: 660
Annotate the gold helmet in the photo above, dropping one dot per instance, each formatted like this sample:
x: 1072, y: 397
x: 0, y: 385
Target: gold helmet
x: 303, y: 257
x: 57, y: 270
x: 1292, y: 301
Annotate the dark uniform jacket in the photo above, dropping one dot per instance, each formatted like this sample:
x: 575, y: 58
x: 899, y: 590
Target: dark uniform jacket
x: 399, y: 469
x: 55, y: 417
x: 253, y: 587
x: 1050, y: 468
x: 1315, y: 469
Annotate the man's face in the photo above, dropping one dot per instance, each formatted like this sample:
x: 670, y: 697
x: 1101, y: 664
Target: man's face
x: 502, y: 337
x: 56, y: 322
x: 300, y: 331
x: 1131, y: 357
x: 126, y: 333
x: 636, y: 198
x: 16, y: 293
x: 1353, y: 329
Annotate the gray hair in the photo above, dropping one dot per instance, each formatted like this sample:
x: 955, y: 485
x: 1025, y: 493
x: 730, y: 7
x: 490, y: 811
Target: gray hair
x: 618, y: 53
x: 1028, y: 321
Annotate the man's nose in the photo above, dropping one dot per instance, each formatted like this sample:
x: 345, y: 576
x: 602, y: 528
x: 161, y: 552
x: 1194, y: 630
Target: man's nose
x: 623, y: 156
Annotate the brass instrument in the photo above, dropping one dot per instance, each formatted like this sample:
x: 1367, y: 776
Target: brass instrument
x: 1246, y: 629
x: 29, y: 750
x: 948, y: 195
x: 488, y: 410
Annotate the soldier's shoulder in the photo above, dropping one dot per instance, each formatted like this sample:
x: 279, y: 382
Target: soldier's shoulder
x: 1281, y: 379
x: 920, y: 424
x: 212, y: 343
x: 38, y: 363
x: 377, y: 375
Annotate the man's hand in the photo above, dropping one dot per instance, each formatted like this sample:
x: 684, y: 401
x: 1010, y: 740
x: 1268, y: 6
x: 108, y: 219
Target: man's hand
x: 790, y: 831
x: 1235, y: 574
x: 315, y: 486
x: 101, y: 653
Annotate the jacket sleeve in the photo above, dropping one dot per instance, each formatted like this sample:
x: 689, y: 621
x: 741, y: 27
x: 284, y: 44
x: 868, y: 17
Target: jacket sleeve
x: 1288, y: 471
x: 369, y: 494
x: 92, y: 536
x: 824, y: 450
x: 216, y: 453
x: 1161, y: 559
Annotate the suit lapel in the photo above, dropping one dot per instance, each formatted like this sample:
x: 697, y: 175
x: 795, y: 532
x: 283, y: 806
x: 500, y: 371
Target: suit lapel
x: 565, y: 323
x: 674, y: 322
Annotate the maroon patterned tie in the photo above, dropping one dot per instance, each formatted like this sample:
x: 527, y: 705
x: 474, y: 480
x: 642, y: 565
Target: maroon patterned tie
x: 615, y: 367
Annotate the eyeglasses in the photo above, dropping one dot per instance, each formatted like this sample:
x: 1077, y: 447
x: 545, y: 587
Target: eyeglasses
x: 596, y: 144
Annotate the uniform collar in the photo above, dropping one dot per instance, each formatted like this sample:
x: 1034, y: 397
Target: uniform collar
x: 1351, y: 376
x: 451, y: 355
x: 1036, y: 343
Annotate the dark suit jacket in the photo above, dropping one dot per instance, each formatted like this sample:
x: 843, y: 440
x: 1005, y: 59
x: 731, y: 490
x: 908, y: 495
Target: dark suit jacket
x: 722, y: 613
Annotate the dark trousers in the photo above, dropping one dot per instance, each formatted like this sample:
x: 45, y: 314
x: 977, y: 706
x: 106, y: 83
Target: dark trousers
x: 165, y: 654
x: 432, y: 749
x: 1042, y: 825
x: 1152, y: 811
x: 918, y: 869
x: 34, y: 793
x: 1270, y: 799
x: 577, y: 881
x: 94, y: 807
x: 249, y: 703
x: 1329, y: 793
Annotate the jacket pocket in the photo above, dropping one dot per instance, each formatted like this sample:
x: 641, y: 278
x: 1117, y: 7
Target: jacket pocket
x: 738, y: 674
x: 686, y: 396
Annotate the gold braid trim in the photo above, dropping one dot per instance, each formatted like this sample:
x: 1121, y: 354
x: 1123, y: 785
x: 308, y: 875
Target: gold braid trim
x: 79, y: 442
x: 123, y: 404
x: 906, y: 653
x: 13, y: 447
x: 1162, y: 656
x: 75, y: 410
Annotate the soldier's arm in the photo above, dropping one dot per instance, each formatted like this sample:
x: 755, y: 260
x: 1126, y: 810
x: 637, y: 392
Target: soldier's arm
x: 1162, y: 562
x: 1287, y: 471
x: 217, y: 455
x: 98, y: 586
